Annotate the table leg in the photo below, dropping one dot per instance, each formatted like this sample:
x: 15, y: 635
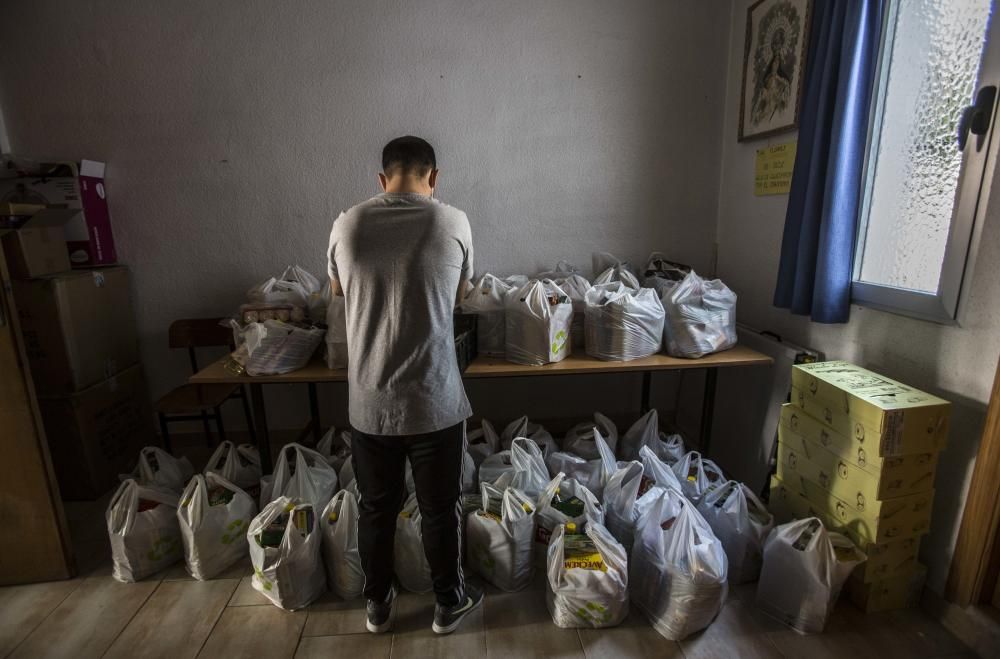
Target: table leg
x: 647, y: 377
x: 260, y: 426
x: 317, y: 431
x: 707, y: 410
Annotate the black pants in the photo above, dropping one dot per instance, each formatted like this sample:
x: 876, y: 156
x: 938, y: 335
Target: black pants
x: 379, y: 466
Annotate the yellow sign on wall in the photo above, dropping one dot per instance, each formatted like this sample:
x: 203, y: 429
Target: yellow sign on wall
x: 773, y: 171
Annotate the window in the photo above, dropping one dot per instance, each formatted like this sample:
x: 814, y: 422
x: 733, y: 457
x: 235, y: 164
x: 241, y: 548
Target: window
x: 923, y: 195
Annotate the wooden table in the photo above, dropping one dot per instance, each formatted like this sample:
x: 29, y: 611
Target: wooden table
x: 485, y: 367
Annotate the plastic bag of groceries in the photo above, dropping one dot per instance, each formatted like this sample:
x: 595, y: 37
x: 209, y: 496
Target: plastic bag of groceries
x: 618, y: 274
x: 539, y: 316
x: 623, y: 323
x: 537, y: 433
x: 741, y: 522
x: 602, y: 261
x: 495, y: 467
x: 157, y: 468
x: 562, y: 269
x: 482, y: 442
x: 562, y: 501
x: 804, y: 568
x: 587, y: 583
x: 300, y: 473
x: 336, y: 332
x: 240, y: 465
x: 528, y: 472
x: 701, y: 317
x: 499, y: 538
x: 580, y: 438
x: 339, y: 525
x: 275, y: 348
x: 470, y: 477
x: 409, y: 560
x: 336, y: 448
x: 214, y: 515
x: 576, y: 287
x: 697, y: 475
x: 662, y: 274
x: 285, y: 543
x: 516, y: 281
x: 592, y: 474
x: 487, y: 300
x: 678, y: 568
x: 646, y: 432
x: 631, y: 490
x: 319, y: 302
x: 143, y: 530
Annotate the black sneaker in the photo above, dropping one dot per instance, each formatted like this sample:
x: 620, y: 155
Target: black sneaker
x: 380, y: 613
x: 448, y: 618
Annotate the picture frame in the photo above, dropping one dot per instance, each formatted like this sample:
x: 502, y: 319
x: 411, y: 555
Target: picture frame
x: 774, y: 62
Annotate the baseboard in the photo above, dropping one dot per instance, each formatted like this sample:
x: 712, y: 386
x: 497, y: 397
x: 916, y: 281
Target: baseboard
x: 975, y: 626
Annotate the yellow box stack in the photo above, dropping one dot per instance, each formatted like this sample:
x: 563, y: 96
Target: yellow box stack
x: 860, y: 452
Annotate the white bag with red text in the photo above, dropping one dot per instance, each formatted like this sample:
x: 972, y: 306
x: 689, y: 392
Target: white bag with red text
x: 285, y: 543
x: 579, y: 597
x: 339, y: 524
x: 741, y: 522
x: 143, y: 530
x: 214, y: 515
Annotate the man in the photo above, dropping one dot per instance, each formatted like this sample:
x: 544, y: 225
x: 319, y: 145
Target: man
x: 401, y: 260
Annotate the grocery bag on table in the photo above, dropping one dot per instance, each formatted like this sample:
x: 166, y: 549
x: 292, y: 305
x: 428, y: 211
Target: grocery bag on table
x: 741, y: 522
x: 601, y: 261
x: 539, y: 317
x: 701, y: 317
x: 240, y: 465
x: 528, y: 472
x: 336, y: 332
x: 487, y: 300
x: 804, y: 568
x: 562, y: 501
x: 301, y: 473
x: 280, y: 347
x: 622, y: 323
x: 563, y: 269
x: 339, y: 525
x: 587, y: 584
x: 678, y: 568
x: 646, y: 432
x: 482, y: 442
x: 592, y: 474
x: 409, y: 560
x: 631, y: 490
x: 336, y: 448
x: 285, y: 549
x: 617, y: 274
x: 522, y: 427
x: 214, y: 515
x: 576, y: 287
x: 500, y: 536
x: 580, y: 438
x: 662, y: 274
x: 143, y: 530
x: 697, y: 475
x: 157, y: 468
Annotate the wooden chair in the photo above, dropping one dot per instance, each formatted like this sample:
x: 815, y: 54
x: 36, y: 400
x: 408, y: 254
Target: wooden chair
x: 191, y: 402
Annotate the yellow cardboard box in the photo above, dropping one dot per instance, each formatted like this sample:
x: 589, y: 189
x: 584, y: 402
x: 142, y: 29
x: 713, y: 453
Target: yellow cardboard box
x: 855, y: 401
x: 897, y: 592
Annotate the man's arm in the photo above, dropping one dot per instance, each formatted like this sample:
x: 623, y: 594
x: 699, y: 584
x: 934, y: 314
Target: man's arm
x: 335, y: 287
x: 464, y: 287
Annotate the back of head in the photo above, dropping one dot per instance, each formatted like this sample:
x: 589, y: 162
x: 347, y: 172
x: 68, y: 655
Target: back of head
x: 408, y: 155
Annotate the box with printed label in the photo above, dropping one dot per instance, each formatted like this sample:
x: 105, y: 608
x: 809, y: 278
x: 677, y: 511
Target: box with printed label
x: 853, y: 401
x: 898, y: 592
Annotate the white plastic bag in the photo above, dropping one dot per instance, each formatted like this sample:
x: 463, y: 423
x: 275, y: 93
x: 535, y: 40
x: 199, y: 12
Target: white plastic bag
x: 240, y: 465
x: 495, y: 466
x: 697, y: 475
x: 601, y: 261
x: 157, y: 468
x: 646, y: 432
x: 631, y: 490
x: 623, y: 323
x: 336, y: 448
x: 563, y: 269
x: 299, y: 275
x: 701, y: 317
x: 580, y: 438
x: 804, y: 568
x: 281, y: 350
x: 585, y: 598
x: 548, y: 517
x: 528, y: 473
x: 500, y: 546
x: 487, y: 300
x: 336, y: 332
x: 741, y: 522
x: 539, y: 316
x: 522, y: 427
x: 409, y: 560
x: 470, y: 478
x: 678, y: 568
x: 339, y: 524
x: 214, y: 529
x: 592, y: 474
x: 662, y: 274
x: 482, y: 442
x: 576, y: 288
x: 143, y: 530
x: 302, y: 473
x: 289, y: 574
x: 618, y: 274
x: 319, y: 302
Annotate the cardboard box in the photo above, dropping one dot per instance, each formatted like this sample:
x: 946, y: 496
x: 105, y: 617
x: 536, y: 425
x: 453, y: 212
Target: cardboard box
x: 37, y: 247
x: 78, y: 327
x: 856, y: 401
x: 96, y: 434
x: 899, y: 592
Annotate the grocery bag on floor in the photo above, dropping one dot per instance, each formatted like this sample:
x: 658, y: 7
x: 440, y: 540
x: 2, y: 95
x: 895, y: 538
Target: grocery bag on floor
x: 214, y: 515
x: 500, y: 536
x: 539, y: 315
x: 240, y: 465
x: 487, y: 300
x: 496, y: 466
x: 646, y: 432
x: 339, y: 525
x: 528, y: 473
x: 302, y: 473
x: 631, y: 490
x: 804, y: 568
x: 409, y: 560
x: 623, y: 323
x: 697, y: 475
x: 741, y: 522
x: 285, y: 543
x: 157, y: 468
x: 592, y: 474
x: 580, y: 438
x: 701, y: 317
x: 522, y: 427
x: 336, y: 448
x: 470, y: 480
x: 143, y: 530
x: 563, y: 500
x: 576, y: 287
x: 587, y: 583
x: 336, y: 332
x: 482, y: 442
x: 618, y: 274
x: 678, y: 568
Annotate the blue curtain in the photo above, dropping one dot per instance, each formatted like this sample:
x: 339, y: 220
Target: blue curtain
x: 817, y: 249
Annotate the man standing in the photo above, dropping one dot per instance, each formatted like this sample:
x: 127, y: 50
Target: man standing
x: 401, y: 260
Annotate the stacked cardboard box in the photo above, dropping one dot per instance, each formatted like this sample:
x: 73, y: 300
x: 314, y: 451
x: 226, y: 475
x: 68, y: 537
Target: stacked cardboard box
x: 860, y: 452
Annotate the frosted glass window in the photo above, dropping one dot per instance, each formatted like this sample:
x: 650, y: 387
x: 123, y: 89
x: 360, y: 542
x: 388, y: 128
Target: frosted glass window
x: 933, y: 61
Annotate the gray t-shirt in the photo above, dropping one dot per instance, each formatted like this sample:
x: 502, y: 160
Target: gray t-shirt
x: 399, y: 259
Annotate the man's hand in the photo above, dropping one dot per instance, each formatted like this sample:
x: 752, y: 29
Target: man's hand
x: 335, y: 287
x: 464, y: 287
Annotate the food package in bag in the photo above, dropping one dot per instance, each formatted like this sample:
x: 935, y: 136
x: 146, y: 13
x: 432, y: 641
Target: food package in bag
x: 632, y: 490
x: 646, y: 432
x: 522, y: 427
x: 336, y: 448
x: 701, y: 317
x: 285, y: 549
x: 539, y: 318
x: 282, y: 350
x: 528, y: 472
x: 302, y: 473
x: 500, y: 536
x: 592, y: 474
x: 563, y: 500
x: 576, y: 288
x: 409, y: 560
x: 240, y: 465
x: 336, y: 333
x: 622, y: 323
x: 662, y: 274
x: 319, y: 302
x: 339, y: 525
x: 487, y: 300
x: 580, y: 438
x: 143, y: 530
x: 697, y: 475
x: 157, y: 468
x: 741, y: 522
x: 214, y: 515
x: 482, y: 442
x: 678, y: 568
x: 804, y: 568
x: 587, y: 584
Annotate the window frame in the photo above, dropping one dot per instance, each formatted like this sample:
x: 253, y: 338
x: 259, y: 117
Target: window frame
x: 971, y: 197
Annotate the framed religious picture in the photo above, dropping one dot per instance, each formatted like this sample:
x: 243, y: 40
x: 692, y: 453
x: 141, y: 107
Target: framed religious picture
x: 773, y: 67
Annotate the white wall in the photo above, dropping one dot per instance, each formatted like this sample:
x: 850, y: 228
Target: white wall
x: 957, y: 363
x: 235, y: 131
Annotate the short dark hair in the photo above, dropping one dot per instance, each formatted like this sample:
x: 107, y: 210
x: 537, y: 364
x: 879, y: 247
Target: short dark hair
x: 409, y: 154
